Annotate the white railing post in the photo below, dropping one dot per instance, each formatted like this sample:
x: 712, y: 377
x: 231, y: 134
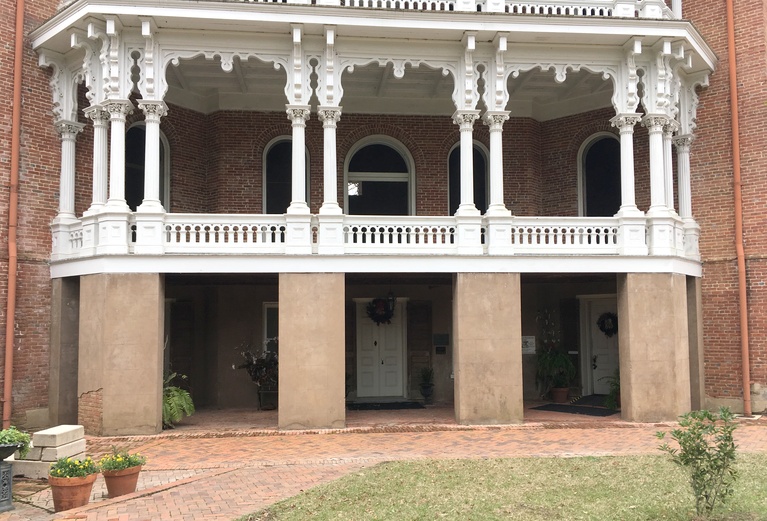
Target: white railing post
x: 625, y: 8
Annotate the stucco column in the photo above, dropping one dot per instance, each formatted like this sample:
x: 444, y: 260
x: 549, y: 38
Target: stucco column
x: 120, y: 362
x: 465, y: 120
x: 99, y: 116
x: 312, y: 351
x: 298, y: 115
x: 653, y: 346
x: 118, y: 110
x: 487, y: 348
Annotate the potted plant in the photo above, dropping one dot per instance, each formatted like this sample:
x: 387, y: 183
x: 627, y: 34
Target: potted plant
x: 176, y: 402
x: 121, y: 470
x: 263, y: 367
x: 555, y: 370
x: 11, y: 440
x: 555, y: 373
x: 613, y: 400
x: 71, y: 482
x: 427, y: 383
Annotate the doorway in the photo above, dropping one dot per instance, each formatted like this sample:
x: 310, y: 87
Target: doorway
x: 381, y: 352
x: 600, y: 351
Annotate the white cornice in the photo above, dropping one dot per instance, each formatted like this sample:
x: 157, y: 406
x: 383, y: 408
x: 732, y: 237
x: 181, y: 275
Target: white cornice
x: 245, y: 16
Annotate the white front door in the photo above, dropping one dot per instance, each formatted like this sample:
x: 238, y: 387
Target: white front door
x: 601, y: 351
x: 380, y: 351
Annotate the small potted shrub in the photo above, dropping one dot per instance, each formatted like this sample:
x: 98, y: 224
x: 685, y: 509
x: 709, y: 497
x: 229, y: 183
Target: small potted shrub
x: 71, y: 482
x: 427, y: 383
x: 555, y: 373
x: 11, y: 440
x: 121, y: 470
x: 176, y: 402
x: 262, y: 366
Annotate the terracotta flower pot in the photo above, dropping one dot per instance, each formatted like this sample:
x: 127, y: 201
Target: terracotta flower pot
x: 121, y: 482
x: 559, y: 394
x: 71, y: 493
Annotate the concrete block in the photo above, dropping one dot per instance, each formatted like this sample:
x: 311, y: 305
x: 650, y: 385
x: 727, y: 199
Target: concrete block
x: 63, y: 451
x: 34, y: 454
x: 59, y: 435
x: 31, y: 469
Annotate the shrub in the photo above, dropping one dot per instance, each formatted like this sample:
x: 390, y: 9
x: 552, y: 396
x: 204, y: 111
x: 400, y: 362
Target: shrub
x: 176, y: 402
x: 13, y: 436
x: 707, y: 451
x: 73, y: 468
x: 121, y: 459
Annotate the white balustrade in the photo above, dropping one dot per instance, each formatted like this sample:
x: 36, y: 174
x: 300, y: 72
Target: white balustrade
x: 399, y: 235
x: 215, y: 233
x: 564, y: 236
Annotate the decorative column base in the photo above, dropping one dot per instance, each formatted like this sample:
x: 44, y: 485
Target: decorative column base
x: 90, y: 234
x: 114, y: 233
x: 331, y: 235
x: 469, y: 234
x: 498, y: 234
x: 691, y: 239
x: 298, y: 234
x: 624, y: 9
x: 150, y: 232
x: 661, y: 236
x: 66, y: 242
x: 632, y: 235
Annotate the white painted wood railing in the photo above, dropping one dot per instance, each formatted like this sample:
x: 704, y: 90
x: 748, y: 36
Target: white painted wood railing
x: 239, y: 234
x: 583, y: 8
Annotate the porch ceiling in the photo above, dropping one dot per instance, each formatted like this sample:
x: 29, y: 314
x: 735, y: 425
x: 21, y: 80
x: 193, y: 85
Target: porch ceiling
x: 200, y: 84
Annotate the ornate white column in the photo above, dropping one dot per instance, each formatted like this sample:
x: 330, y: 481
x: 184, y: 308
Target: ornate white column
x: 114, y: 226
x: 465, y: 120
x: 497, y: 218
x: 150, y: 213
x: 99, y: 116
x: 331, y: 220
x: 668, y: 164
x: 468, y: 218
x: 691, y: 228
x: 297, y: 219
x: 661, y: 222
x: 632, y: 221
x: 65, y: 220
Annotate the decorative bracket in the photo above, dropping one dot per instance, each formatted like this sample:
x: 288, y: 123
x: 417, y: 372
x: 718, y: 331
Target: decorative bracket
x: 466, y: 93
x: 496, y: 95
x: 63, y: 85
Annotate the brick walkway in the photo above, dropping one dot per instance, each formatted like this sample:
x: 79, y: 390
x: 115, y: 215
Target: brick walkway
x: 244, y: 464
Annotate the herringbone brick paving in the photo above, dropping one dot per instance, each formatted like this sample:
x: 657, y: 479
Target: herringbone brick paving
x: 228, y: 471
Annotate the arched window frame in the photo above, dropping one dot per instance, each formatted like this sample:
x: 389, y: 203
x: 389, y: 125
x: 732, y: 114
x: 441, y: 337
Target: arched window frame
x: 164, y: 165
x: 582, y: 152
x: 477, y: 145
x: 264, y: 157
x: 400, y: 149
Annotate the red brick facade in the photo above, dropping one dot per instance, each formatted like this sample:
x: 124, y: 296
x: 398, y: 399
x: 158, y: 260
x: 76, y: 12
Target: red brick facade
x: 217, y: 161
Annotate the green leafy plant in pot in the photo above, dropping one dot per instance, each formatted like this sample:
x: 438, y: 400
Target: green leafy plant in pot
x: 427, y: 383
x: 555, y: 370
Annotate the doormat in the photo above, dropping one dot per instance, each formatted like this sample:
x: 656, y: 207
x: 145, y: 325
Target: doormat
x: 383, y: 406
x: 592, y: 400
x: 575, y: 409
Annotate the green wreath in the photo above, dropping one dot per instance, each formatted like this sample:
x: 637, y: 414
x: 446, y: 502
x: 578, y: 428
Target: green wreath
x: 608, y: 323
x: 380, y: 310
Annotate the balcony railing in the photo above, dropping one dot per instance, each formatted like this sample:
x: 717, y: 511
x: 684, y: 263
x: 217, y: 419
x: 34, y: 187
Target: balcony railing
x: 354, y: 235
x: 656, y: 9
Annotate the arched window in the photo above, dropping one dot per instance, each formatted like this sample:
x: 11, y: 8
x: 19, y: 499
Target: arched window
x: 379, y: 176
x: 480, y: 178
x: 135, y: 148
x: 278, y: 175
x: 600, y: 174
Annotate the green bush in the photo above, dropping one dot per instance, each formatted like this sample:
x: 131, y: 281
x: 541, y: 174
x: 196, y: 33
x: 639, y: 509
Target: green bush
x: 13, y: 436
x: 707, y: 451
x: 176, y: 402
x: 73, y: 468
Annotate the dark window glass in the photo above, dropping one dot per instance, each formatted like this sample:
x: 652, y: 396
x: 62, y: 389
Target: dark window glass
x: 279, y: 183
x: 378, y: 198
x: 602, y: 167
x: 480, y: 180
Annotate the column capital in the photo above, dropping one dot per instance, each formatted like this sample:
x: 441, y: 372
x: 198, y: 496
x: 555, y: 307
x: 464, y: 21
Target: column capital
x: 153, y: 109
x: 655, y: 122
x: 684, y: 141
x: 496, y: 118
x: 298, y: 114
x: 670, y: 127
x: 97, y: 113
x: 68, y: 129
x: 465, y: 118
x: 625, y: 121
x: 329, y: 115
x: 118, y: 109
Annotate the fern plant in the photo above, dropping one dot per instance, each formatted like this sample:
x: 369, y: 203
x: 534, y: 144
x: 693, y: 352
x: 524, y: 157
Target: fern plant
x: 176, y: 402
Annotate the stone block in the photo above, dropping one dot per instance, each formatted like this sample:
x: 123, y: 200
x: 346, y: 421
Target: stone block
x: 31, y: 469
x: 59, y: 435
x: 34, y: 454
x: 68, y: 450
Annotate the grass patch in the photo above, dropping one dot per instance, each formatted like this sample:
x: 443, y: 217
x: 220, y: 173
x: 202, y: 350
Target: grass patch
x: 530, y: 489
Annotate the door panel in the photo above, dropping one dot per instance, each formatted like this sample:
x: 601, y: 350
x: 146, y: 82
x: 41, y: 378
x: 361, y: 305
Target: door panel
x: 604, y: 349
x: 379, y: 355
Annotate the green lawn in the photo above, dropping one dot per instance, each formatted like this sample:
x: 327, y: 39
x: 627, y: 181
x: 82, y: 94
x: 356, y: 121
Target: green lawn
x: 530, y: 489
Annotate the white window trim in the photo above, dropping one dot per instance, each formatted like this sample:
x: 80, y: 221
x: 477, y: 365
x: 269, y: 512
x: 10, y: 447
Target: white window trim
x: 485, y: 152
x: 408, y: 177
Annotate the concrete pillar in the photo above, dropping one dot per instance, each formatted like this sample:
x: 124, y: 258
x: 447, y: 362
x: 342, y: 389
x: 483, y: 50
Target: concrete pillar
x: 65, y: 317
x: 695, y: 335
x: 312, y: 358
x: 654, y: 346
x: 121, y: 353
x: 487, y: 348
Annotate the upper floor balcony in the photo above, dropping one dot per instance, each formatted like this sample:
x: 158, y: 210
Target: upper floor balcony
x: 194, y: 136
